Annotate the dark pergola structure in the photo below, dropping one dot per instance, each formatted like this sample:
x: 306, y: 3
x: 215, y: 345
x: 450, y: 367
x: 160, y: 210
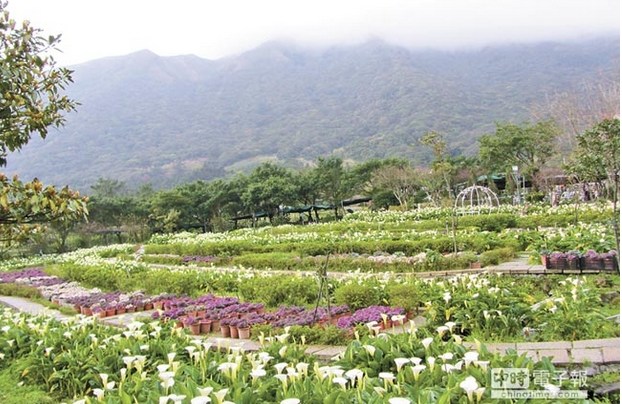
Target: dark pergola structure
x: 308, y: 209
x: 105, y: 233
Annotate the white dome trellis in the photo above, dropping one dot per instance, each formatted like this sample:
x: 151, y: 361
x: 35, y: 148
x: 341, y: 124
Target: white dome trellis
x: 475, y: 199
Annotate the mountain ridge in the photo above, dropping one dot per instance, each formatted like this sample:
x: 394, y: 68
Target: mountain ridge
x: 145, y: 118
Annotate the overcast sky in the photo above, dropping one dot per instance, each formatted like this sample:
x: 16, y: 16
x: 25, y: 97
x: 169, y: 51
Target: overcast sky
x: 215, y: 28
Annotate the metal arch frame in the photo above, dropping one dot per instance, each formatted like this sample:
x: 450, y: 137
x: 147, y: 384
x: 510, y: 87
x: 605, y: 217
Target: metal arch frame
x: 489, y: 198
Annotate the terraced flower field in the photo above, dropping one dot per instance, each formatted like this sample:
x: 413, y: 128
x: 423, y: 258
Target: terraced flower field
x: 339, y: 283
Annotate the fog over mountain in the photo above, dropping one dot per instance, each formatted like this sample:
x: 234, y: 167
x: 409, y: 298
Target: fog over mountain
x: 164, y: 120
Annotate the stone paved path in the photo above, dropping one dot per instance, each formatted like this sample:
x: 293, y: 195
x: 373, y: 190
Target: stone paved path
x: 597, y: 351
x: 27, y: 306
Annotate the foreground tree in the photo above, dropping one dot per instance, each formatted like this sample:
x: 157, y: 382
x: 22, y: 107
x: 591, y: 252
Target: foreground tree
x: 401, y: 180
x: 30, y: 103
x: 269, y: 187
x: 331, y: 179
x: 26, y: 206
x: 438, y: 182
x: 596, y: 159
x: 30, y: 84
x: 526, y: 146
x: 597, y: 156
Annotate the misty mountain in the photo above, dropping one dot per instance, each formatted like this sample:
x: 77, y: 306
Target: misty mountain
x: 164, y: 120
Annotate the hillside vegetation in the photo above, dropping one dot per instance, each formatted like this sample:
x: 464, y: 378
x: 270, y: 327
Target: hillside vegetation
x: 165, y: 120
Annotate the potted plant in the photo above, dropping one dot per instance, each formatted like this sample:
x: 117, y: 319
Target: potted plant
x: 78, y: 303
x: 243, y: 329
x: 121, y: 308
x: 610, y: 261
x: 191, y: 310
x: 111, y: 311
x: 225, y: 331
x: 192, y: 323
x: 604, y: 261
x: 206, y: 325
x: 86, y: 310
x: 475, y: 265
x: 138, y: 305
x: 233, y: 328
x: 556, y: 260
x: 99, y: 311
x: 95, y: 309
x: 215, y: 317
x: 258, y: 308
x: 544, y: 257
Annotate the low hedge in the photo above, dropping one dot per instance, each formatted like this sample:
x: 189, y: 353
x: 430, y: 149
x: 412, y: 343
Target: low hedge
x: 495, y: 257
x: 280, y: 289
x: 281, y: 261
x: 343, y: 263
x: 478, y: 242
x: 154, y: 281
x: 563, y: 220
x: 162, y: 259
x: 14, y: 289
x: 358, y: 296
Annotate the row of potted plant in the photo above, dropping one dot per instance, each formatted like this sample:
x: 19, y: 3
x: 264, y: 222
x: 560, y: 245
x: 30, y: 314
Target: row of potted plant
x: 87, y: 301
x: 228, y: 315
x: 208, y: 313
x: 235, y: 316
x: 184, y: 310
x: 591, y: 260
x: 53, y: 288
x: 111, y: 304
x: 189, y: 311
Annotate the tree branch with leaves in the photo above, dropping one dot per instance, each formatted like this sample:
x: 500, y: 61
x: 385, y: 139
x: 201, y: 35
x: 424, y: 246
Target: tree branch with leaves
x: 31, y: 101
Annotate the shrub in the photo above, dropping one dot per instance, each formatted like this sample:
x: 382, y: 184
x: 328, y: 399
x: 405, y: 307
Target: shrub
x: 403, y: 295
x: 278, y: 290
x: 492, y: 222
x: 266, y: 329
x: 358, y: 296
x: 114, y: 252
x: 275, y: 260
x: 535, y: 196
x: 494, y: 257
x: 91, y: 276
x: 14, y: 289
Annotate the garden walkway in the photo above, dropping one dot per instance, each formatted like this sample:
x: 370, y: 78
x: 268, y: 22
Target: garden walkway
x: 597, y: 351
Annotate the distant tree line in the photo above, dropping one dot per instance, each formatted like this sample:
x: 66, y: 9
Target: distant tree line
x: 115, y: 211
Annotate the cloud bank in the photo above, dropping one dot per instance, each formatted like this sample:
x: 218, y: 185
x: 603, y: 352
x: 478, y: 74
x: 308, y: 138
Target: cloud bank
x: 93, y: 29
